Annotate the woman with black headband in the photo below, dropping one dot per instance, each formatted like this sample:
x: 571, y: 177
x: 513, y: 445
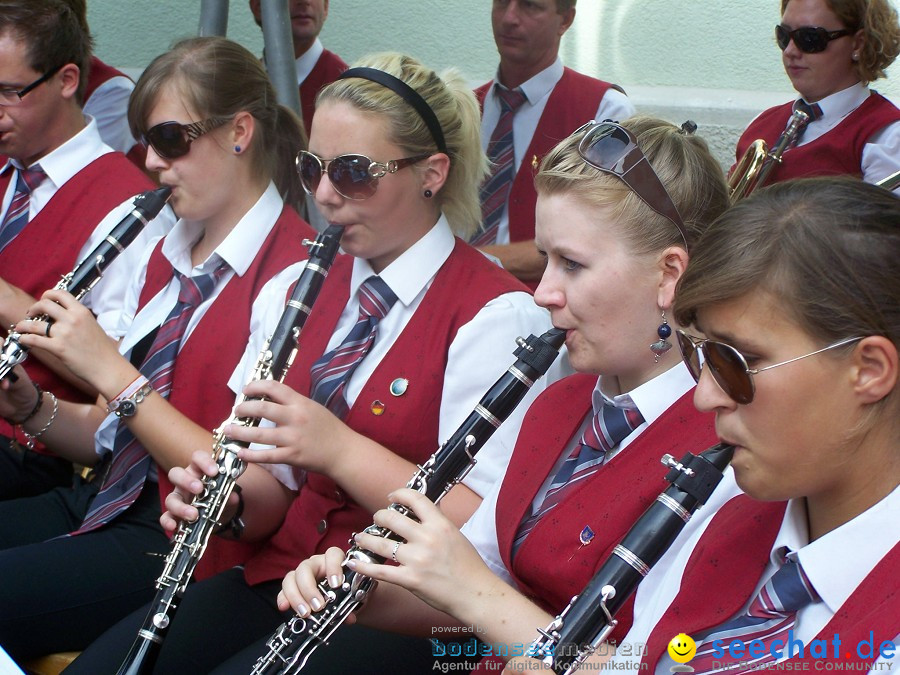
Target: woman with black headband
x: 832, y: 50
x: 618, y: 209
x: 395, y: 159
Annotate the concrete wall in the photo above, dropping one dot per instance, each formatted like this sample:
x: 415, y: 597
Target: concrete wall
x: 713, y: 61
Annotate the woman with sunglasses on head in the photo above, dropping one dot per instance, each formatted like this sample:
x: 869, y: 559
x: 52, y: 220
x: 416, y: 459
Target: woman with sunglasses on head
x: 76, y: 560
x: 832, y: 50
x: 801, y: 370
x: 586, y: 461
x: 395, y: 160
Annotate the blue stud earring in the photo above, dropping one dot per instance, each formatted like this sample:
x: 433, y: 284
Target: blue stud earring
x: 237, y: 149
x: 662, y: 345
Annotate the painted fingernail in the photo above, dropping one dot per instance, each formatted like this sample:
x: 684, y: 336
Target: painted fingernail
x: 302, y: 609
x: 334, y: 581
x: 316, y: 604
x: 351, y: 564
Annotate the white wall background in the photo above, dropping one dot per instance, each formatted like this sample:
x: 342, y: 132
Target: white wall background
x: 713, y: 61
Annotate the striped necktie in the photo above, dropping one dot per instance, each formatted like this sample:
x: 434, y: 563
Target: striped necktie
x: 329, y: 375
x: 17, y: 215
x: 129, y: 463
x: 501, y: 153
x: 770, y: 617
x: 609, y: 426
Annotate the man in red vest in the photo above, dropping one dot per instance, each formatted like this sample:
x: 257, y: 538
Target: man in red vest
x: 75, y: 181
x: 557, y: 101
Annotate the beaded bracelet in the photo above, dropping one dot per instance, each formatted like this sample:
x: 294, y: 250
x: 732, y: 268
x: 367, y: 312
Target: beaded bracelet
x: 30, y: 438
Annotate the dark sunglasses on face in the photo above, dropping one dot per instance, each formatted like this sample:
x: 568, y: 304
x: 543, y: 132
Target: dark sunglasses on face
x: 172, y: 140
x: 729, y: 367
x: 352, y: 176
x: 808, y: 39
x: 612, y: 149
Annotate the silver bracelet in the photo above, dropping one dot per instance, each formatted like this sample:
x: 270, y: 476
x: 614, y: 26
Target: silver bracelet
x: 30, y: 438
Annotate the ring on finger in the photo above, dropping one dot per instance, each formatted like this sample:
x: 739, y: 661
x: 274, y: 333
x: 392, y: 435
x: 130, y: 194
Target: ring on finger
x: 394, y: 553
x: 47, y: 329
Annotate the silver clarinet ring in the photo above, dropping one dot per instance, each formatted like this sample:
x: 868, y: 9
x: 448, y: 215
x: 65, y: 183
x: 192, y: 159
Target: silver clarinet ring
x: 394, y: 553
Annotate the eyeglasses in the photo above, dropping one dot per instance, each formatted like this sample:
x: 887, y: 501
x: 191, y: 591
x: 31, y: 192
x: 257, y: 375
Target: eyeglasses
x: 613, y: 149
x: 9, y: 96
x: 808, y: 39
x: 352, y: 176
x: 172, y: 140
x: 728, y: 366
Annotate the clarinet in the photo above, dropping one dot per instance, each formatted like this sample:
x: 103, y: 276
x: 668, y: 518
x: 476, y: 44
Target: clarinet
x: 88, y: 272
x: 588, y: 619
x: 191, y: 539
x: 293, y: 643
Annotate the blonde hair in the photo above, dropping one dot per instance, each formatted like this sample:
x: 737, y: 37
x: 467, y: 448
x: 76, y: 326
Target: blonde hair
x: 690, y: 174
x: 456, y: 109
x: 220, y: 78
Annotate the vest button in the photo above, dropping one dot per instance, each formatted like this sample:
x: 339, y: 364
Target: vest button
x: 321, y: 526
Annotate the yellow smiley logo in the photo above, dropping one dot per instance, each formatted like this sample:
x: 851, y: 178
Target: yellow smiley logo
x: 682, y: 648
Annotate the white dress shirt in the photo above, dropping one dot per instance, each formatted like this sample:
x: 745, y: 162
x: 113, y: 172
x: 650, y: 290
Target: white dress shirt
x: 106, y: 298
x: 652, y: 399
x: 479, y: 354
x: 614, y: 105
x: 108, y: 105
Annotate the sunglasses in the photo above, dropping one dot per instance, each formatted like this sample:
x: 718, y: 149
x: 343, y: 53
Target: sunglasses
x: 728, y: 366
x: 808, y: 39
x: 172, y: 140
x: 613, y: 149
x: 352, y: 176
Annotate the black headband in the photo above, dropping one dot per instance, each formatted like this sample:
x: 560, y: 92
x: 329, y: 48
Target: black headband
x: 405, y: 92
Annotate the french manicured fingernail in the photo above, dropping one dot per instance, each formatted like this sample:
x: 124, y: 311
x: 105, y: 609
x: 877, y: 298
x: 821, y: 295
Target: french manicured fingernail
x: 316, y: 604
x: 334, y: 581
x: 302, y: 609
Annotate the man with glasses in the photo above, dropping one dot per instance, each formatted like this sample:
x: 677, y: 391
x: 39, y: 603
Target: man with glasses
x: 57, y: 182
x: 532, y: 104
x: 831, y: 51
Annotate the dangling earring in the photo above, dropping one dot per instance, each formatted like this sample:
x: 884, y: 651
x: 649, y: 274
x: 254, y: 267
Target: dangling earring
x: 662, y: 345
x: 428, y: 194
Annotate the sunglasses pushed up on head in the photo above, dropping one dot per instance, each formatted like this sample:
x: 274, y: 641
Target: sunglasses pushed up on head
x: 729, y: 367
x: 808, y: 39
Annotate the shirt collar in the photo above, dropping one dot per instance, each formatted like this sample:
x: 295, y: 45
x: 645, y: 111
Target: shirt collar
x: 412, y: 271
x: 308, y: 59
x: 541, y: 84
x: 653, y: 397
x: 843, y: 102
x: 236, y: 249
x: 837, y: 562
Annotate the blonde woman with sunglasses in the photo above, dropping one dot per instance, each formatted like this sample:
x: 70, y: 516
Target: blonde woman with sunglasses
x: 75, y: 560
x: 618, y: 209
x: 394, y: 159
x: 800, y: 369
x: 832, y: 50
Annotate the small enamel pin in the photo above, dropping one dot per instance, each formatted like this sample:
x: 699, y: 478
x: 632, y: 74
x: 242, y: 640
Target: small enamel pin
x: 377, y: 408
x: 399, y: 386
x: 585, y: 537
x: 534, y: 162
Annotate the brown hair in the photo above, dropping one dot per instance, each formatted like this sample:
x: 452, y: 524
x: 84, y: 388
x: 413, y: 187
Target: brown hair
x: 878, y: 21
x: 220, y: 78
x: 52, y: 33
x: 456, y: 109
x: 690, y: 174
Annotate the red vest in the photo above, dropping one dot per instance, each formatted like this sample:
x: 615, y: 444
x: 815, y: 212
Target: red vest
x: 98, y: 73
x: 731, y: 556
x: 200, y: 379
x: 573, y: 101
x: 322, y: 515
x: 551, y: 566
x: 326, y: 71
x: 47, y: 248
x: 837, y: 152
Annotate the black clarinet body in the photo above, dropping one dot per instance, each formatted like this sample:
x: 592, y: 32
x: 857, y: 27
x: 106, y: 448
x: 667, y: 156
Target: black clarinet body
x: 589, y: 618
x: 293, y: 643
x: 89, y: 271
x: 191, y: 539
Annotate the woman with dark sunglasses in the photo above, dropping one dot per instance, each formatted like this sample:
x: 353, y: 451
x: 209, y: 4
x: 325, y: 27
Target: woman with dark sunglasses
x: 76, y: 560
x: 618, y: 208
x: 395, y: 160
x: 809, y: 398
x: 832, y: 50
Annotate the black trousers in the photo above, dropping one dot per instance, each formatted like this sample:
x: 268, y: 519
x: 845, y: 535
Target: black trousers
x: 60, y: 594
x: 222, y: 626
x: 24, y: 473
